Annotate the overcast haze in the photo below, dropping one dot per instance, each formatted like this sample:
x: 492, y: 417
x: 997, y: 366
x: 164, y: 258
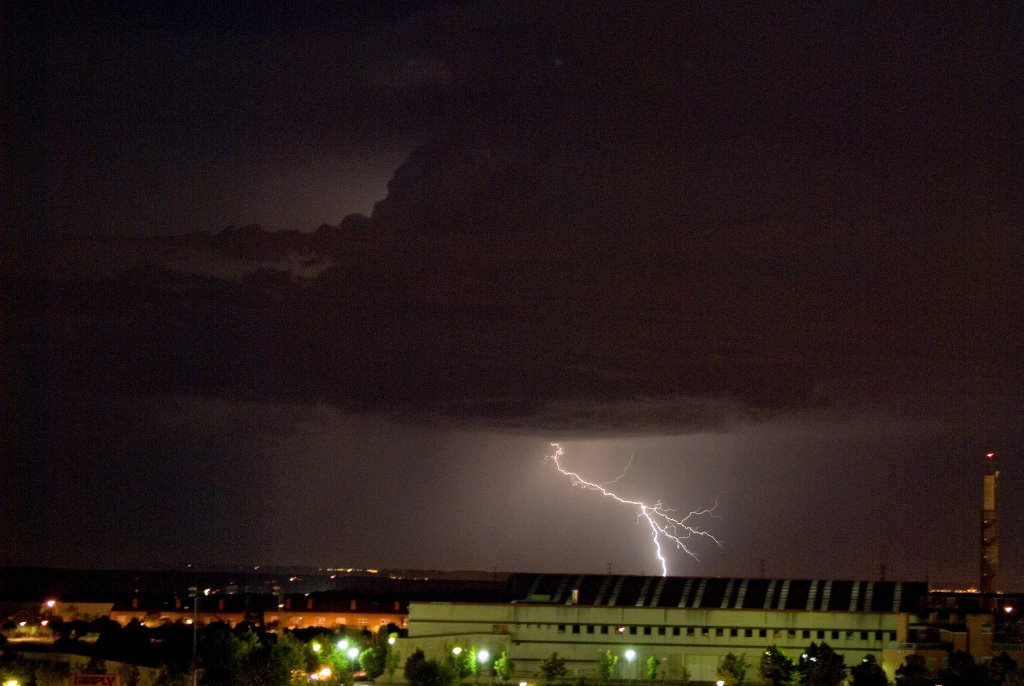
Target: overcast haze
x: 773, y: 254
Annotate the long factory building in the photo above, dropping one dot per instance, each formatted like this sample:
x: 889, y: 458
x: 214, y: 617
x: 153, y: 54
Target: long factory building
x: 687, y: 623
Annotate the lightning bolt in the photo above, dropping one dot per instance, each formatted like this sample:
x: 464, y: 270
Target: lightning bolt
x: 665, y: 526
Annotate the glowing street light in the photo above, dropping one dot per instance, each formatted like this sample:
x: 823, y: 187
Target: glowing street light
x: 316, y: 647
x: 630, y: 655
x: 353, y: 653
x: 343, y: 644
x: 457, y: 650
x: 483, y: 656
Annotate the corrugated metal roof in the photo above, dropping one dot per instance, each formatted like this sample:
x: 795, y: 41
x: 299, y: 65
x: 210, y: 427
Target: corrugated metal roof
x: 816, y: 595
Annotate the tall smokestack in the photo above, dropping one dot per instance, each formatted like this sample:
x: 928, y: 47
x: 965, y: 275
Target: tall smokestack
x: 989, y: 542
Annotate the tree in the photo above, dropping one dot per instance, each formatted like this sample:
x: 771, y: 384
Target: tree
x: 732, y: 670
x: 373, y: 660
x: 868, y: 673
x: 606, y: 665
x: 821, y: 666
x: 913, y: 672
x: 961, y: 670
x: 461, y: 663
x: 553, y: 668
x: 653, y: 664
x: 223, y: 655
x: 414, y: 666
x: 999, y: 667
x: 420, y: 671
x: 274, y: 662
x: 775, y: 668
x: 503, y: 666
x: 474, y: 662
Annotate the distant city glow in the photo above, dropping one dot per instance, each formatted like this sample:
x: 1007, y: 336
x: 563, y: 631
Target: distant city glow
x: 661, y: 520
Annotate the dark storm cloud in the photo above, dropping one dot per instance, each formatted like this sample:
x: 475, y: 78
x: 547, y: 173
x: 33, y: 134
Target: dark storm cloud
x: 545, y: 331
x: 630, y: 220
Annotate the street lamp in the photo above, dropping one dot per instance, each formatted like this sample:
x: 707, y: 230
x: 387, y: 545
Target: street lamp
x: 630, y: 656
x: 482, y: 657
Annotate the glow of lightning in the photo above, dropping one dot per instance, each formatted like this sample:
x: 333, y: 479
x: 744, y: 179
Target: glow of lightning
x: 665, y: 526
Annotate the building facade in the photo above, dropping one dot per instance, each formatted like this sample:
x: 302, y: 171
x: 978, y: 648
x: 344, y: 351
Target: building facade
x: 686, y: 624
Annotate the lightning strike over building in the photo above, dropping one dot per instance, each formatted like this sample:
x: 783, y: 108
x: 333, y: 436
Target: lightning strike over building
x: 665, y: 526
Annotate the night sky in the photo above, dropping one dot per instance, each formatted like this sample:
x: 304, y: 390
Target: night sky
x: 321, y: 285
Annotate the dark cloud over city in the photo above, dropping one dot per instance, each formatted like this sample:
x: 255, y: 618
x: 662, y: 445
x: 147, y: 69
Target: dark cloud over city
x: 774, y: 253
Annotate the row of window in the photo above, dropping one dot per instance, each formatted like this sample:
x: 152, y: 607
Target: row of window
x: 722, y: 632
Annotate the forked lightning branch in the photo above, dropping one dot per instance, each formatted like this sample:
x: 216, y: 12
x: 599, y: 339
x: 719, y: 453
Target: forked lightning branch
x: 665, y: 526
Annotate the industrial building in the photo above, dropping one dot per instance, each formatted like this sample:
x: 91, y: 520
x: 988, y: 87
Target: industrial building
x: 689, y: 624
